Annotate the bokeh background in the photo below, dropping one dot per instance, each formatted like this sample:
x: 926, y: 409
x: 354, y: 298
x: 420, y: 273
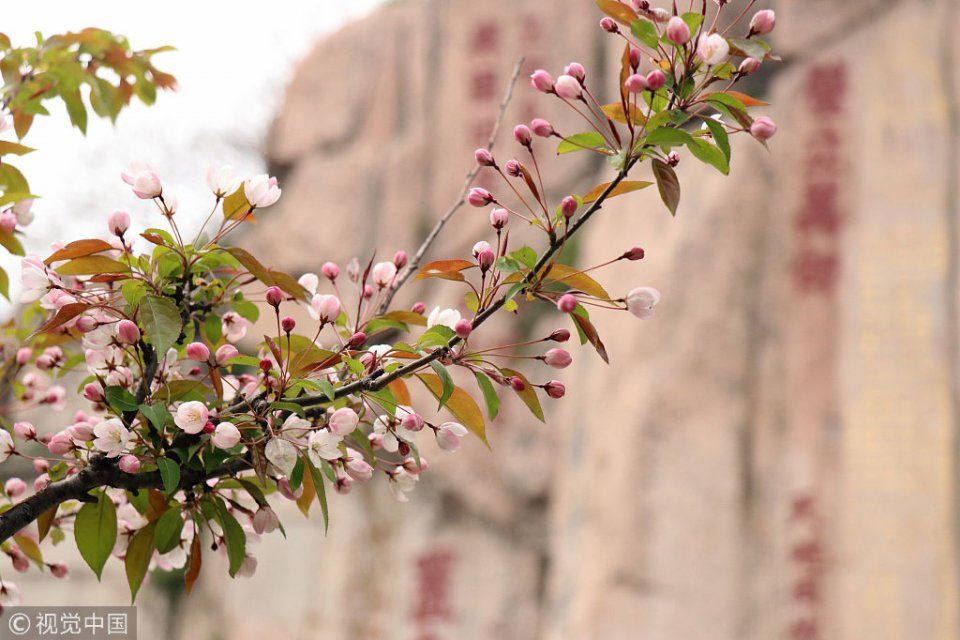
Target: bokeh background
x: 775, y: 455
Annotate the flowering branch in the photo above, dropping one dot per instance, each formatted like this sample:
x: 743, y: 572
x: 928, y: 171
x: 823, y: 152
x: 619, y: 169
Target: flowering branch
x: 414, y: 263
x: 189, y: 437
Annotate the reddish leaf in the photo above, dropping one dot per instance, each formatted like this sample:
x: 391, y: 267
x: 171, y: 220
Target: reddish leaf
x: 252, y: 265
x: 460, y: 404
x: 194, y: 562
x: 289, y: 285
x: 79, y: 249
x: 65, y: 314
x: 592, y: 336
x: 748, y: 101
x: 528, y: 394
x: 449, y: 269
x: 91, y: 265
x: 618, y: 11
x: 668, y: 184
x: 400, y: 391
x: 625, y: 186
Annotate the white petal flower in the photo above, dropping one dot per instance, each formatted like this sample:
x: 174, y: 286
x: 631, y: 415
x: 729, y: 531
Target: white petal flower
x: 323, y: 445
x: 445, y: 317
x: 112, y: 437
x: 282, y: 455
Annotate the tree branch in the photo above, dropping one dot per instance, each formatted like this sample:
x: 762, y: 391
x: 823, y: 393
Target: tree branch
x: 102, y: 472
x: 414, y: 263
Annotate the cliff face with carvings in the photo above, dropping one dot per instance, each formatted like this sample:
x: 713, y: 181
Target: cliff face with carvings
x: 771, y: 457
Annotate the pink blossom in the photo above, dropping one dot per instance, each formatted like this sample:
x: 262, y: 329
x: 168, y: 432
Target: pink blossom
x: 358, y: 468
x: 541, y: 127
x: 607, y: 24
x: 23, y: 355
x: 274, y: 296
x: 112, y: 437
x: 59, y: 570
x: 748, y: 66
x: 325, y: 307
x: 225, y: 436
x: 557, y: 358
x: 568, y: 206
x: 118, y: 222
x: 198, y: 351
x: 479, y: 197
x: 8, y: 221
x: 127, y: 332
x: 449, y: 435
x: 464, y: 326
x: 60, y: 443
x: 567, y: 303
x: 14, y: 487
x: 129, y: 463
x: 93, y: 392
x: 678, y: 32
x: 234, y: 326
x: 265, y: 520
x: 555, y: 389
x: 330, y: 270
x: 226, y: 353
x: 635, y: 83
x: 656, y: 79
x: 541, y: 81
x: 642, y: 300
x: 145, y: 182
x: 191, y: 416
x: 261, y: 190
x: 499, y: 218
x: 576, y: 70
x: 763, y: 128
x: 484, y: 158
x: 36, y: 278
x: 24, y: 430
x: 522, y: 134
x: 400, y: 259
x: 568, y: 87
x: 383, y: 273
x: 763, y: 21
x: 343, y: 421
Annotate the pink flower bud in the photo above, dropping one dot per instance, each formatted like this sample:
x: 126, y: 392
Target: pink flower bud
x: 288, y: 324
x: 576, y: 70
x: 265, y: 520
x: 357, y: 339
x: 419, y: 308
x: 40, y: 465
x: 484, y: 158
x: 330, y: 270
x: 541, y: 127
x: 541, y: 81
x: 748, y: 66
x: 20, y: 562
x: 86, y: 324
x: 479, y: 197
x: 480, y: 246
x: 411, y: 466
x: 8, y: 221
x: 559, y: 335
x: 60, y: 444
x: 641, y: 301
x: 499, y: 218
x: 198, y: 351
x: 555, y: 389
x: 225, y: 435
x: 517, y: 383
x: 557, y: 358
x: 266, y: 365
x: 283, y: 485
x: 636, y: 83
x: 634, y: 253
x: 678, y: 32
x: 208, y: 427
x: 14, y: 487
x: 23, y: 355
x: 763, y: 21
x: 118, y: 222
x: 513, y: 168
x: 127, y: 332
x: 567, y: 303
x: 274, y: 296
x: 59, y: 570
x: 40, y: 482
x: 763, y: 128
x: 343, y: 421
x: 400, y: 259
x: 412, y: 422
x: 24, y: 430
x: 523, y: 135
x: 327, y: 308
x: 129, y: 463
x: 568, y: 87
x: 81, y: 431
x: 486, y: 259
x: 225, y: 353
x: 367, y: 291
x: 568, y: 206
x: 376, y: 440
x: 449, y: 435
x: 463, y: 328
x: 655, y: 79
x: 607, y: 24
x: 634, y: 57
x: 93, y: 392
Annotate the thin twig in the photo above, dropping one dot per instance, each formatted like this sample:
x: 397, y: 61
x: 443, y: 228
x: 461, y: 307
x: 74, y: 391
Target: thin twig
x: 414, y: 263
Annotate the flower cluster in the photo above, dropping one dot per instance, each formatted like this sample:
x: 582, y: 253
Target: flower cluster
x: 196, y: 419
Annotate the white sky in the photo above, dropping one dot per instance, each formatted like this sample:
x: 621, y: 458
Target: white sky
x: 233, y: 61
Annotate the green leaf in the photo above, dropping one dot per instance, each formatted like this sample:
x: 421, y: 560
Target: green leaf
x: 581, y: 141
x: 169, y: 473
x: 169, y: 526
x: 490, y: 396
x: 693, y: 19
x: 137, y: 560
x: 646, y: 32
x: 752, y: 48
x: 445, y: 380
x: 235, y: 538
x: 11, y: 243
x: 161, y: 319
x: 317, y: 478
x: 719, y: 136
x: 528, y: 395
x: 668, y: 137
x: 121, y: 399
x: 328, y: 389
x: 668, y: 184
x: 95, y: 531
x: 710, y: 154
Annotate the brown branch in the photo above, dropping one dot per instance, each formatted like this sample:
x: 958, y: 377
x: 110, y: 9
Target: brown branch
x: 414, y: 263
x: 102, y: 472
x: 379, y: 378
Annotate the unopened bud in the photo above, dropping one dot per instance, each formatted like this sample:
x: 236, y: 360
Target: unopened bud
x: 357, y: 339
x: 763, y: 21
x: 608, y: 25
x: 748, y: 66
x: 656, y: 79
x: 567, y: 303
x: 127, y: 332
x: 479, y: 197
x: 486, y: 259
x: 513, y: 168
x: 517, y: 384
x: 522, y: 133
x: 635, y: 83
x: 418, y: 308
x: 559, y: 335
x: 634, y: 253
x: 541, y: 127
x: 330, y: 270
x: 499, y: 218
x: 463, y: 328
x: 484, y: 158
x: 678, y: 32
x: 274, y: 296
x: 400, y: 259
x: 23, y: 355
x: 288, y: 324
x: 541, y: 81
x: 568, y: 206
x: 555, y: 389
x: 763, y: 128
